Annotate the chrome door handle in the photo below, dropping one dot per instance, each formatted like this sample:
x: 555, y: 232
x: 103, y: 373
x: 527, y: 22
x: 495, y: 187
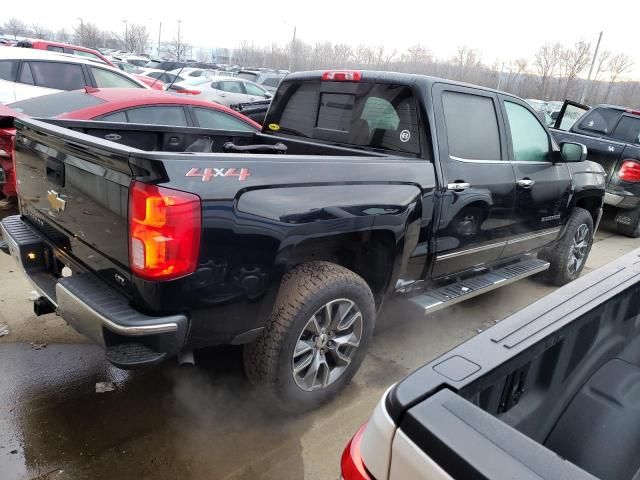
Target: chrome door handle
x: 526, y: 183
x: 458, y: 186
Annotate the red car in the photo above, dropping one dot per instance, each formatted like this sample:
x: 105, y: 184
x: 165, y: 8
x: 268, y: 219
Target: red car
x: 85, y: 53
x: 115, y: 105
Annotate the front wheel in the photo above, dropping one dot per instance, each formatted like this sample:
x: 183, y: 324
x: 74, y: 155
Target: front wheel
x: 315, y: 338
x: 570, y: 254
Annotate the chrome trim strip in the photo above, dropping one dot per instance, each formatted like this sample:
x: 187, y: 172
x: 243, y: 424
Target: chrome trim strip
x: 469, y: 251
x: 469, y: 160
x: 551, y: 231
x: 114, y: 327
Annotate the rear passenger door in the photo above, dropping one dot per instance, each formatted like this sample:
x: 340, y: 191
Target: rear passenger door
x: 478, y: 183
x: 543, y: 188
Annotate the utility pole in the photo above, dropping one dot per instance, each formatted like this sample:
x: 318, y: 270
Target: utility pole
x: 593, y: 62
x: 178, y: 49
x: 81, y: 31
x: 500, y: 77
x: 126, y: 35
x: 293, y: 46
x: 159, y: 34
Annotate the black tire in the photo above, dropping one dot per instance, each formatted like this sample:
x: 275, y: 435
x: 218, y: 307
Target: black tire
x: 560, y: 257
x: 269, y: 360
x: 632, y: 229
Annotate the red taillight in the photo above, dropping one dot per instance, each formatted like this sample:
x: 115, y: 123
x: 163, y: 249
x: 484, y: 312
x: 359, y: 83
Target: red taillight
x: 187, y: 92
x: 342, y: 75
x: 164, y: 228
x: 351, y: 465
x: 629, y: 171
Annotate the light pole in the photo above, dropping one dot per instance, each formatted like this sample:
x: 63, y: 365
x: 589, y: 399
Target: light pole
x: 81, y: 30
x: 593, y: 62
x: 126, y: 35
x: 293, y: 46
x: 178, y: 43
x: 159, y: 34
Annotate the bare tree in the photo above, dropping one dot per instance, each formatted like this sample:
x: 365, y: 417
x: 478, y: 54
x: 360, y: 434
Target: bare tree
x: 546, y: 63
x: 39, y: 31
x: 617, y: 65
x: 14, y: 27
x: 88, y: 35
x: 62, y: 36
x: 135, y: 39
x: 575, y: 60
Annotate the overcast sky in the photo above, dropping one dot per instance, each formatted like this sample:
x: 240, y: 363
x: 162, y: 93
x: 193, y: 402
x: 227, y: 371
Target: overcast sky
x: 503, y: 30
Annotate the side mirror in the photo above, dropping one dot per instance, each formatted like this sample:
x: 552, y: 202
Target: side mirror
x: 573, y: 152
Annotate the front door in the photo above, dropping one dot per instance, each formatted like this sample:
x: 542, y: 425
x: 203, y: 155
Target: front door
x: 478, y: 184
x: 543, y: 188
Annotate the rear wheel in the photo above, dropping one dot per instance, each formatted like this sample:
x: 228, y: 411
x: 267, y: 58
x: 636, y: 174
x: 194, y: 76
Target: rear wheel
x: 628, y: 222
x: 570, y: 254
x: 316, y: 336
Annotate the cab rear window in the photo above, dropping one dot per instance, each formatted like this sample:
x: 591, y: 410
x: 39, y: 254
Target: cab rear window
x: 372, y: 115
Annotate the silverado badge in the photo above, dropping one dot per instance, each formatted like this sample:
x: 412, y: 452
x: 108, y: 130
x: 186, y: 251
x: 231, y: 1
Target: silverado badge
x: 55, y: 201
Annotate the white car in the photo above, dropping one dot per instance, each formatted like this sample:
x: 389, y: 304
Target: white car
x: 227, y: 90
x: 164, y: 77
x: 27, y: 73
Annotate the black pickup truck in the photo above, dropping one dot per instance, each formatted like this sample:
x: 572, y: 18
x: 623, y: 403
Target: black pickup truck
x: 552, y: 392
x: 612, y: 136
x: 158, y: 240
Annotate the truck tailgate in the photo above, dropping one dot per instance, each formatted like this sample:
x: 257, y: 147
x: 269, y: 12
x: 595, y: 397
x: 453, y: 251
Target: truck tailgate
x: 74, y: 190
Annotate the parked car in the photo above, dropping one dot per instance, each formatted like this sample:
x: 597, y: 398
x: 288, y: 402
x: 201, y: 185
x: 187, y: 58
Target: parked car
x: 136, y: 60
x: 117, y: 105
x: 163, y: 76
x: 612, y: 135
x: 266, y: 79
x: 65, y: 48
x: 551, y: 393
x: 137, y: 72
x: 391, y: 183
x: 27, y: 73
x: 228, y: 90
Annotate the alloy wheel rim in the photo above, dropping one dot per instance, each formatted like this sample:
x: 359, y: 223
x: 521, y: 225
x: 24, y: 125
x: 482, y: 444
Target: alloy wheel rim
x: 327, y: 345
x: 579, y: 248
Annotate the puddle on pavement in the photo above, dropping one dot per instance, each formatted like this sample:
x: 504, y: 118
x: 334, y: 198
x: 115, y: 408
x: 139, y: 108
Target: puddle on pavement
x: 166, y: 422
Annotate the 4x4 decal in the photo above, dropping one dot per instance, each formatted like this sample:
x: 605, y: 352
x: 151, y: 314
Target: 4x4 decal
x: 207, y: 174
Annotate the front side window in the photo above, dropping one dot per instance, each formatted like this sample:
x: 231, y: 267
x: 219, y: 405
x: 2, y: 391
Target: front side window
x: 472, y: 126
x: 209, y: 118
x: 108, y: 79
x: 158, y: 115
x: 58, y: 75
x: 628, y: 130
x: 530, y: 140
x: 253, y: 90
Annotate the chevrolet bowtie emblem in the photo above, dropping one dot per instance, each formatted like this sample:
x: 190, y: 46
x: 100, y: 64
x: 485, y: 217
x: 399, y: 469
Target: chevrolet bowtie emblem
x: 55, y: 201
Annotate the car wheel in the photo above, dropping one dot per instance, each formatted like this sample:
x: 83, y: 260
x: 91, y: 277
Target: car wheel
x: 569, y: 255
x: 316, y: 337
x: 628, y: 222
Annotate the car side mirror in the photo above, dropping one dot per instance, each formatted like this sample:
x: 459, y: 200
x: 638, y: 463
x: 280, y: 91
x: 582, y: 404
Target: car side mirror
x: 573, y: 152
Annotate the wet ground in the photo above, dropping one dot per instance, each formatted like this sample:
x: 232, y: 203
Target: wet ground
x: 203, y: 422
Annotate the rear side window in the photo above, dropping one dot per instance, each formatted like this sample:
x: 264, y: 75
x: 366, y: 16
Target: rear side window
x: 107, y: 79
x: 56, y: 104
x: 628, y: 130
x: 91, y: 56
x: 53, y: 48
x: 472, y: 126
x: 229, y: 86
x: 8, y: 70
x: 118, y: 117
x: 600, y: 120
x: 158, y: 115
x: 364, y: 114
x: 209, y: 118
x: 58, y: 75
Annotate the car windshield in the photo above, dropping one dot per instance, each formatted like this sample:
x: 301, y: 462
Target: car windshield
x: 56, y: 104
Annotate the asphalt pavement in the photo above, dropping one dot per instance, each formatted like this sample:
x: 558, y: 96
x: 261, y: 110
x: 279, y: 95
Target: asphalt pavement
x: 204, y: 422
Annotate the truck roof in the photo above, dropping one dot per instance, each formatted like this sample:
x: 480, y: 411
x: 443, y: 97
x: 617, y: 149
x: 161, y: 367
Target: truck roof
x: 411, y: 79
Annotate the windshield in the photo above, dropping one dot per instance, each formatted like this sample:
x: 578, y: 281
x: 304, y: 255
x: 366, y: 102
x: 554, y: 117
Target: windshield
x: 364, y: 114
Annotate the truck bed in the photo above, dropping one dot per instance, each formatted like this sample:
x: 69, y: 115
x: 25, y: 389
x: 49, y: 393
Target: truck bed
x: 561, y: 376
